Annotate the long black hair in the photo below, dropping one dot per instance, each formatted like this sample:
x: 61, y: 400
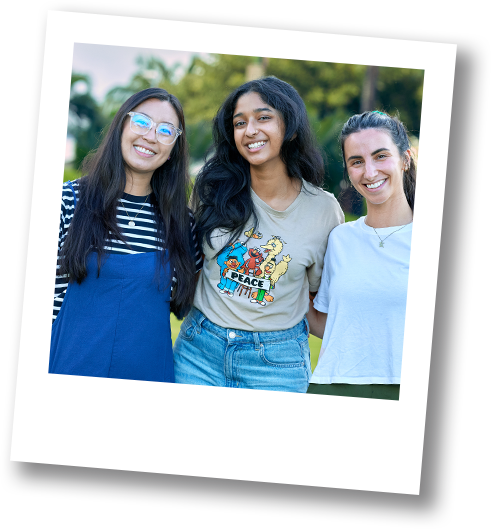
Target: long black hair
x: 398, y: 133
x: 95, y: 219
x: 222, y: 192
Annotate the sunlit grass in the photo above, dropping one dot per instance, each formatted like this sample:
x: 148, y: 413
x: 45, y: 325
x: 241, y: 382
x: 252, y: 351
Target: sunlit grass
x: 71, y: 174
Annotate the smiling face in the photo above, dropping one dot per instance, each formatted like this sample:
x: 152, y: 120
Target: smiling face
x: 232, y: 263
x: 258, y: 131
x: 375, y: 166
x: 144, y: 154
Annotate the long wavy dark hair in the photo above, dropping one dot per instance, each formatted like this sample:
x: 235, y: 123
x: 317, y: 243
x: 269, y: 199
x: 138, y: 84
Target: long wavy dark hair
x: 222, y: 192
x: 397, y: 131
x: 95, y: 220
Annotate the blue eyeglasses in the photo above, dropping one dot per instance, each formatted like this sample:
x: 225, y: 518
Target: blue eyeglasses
x: 165, y: 132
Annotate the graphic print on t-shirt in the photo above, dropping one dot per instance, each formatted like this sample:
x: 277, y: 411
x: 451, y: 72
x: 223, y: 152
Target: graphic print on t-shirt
x: 252, y: 272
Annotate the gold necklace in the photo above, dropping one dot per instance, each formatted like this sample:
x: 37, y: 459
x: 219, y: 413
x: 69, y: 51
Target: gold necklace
x: 132, y: 220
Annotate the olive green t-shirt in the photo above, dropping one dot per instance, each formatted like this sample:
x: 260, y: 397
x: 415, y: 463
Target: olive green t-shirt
x: 261, y: 282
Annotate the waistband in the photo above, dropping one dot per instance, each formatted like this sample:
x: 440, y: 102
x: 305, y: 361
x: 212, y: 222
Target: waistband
x: 240, y: 336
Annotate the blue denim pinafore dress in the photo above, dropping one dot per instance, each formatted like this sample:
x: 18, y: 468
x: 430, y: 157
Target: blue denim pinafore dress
x: 116, y: 325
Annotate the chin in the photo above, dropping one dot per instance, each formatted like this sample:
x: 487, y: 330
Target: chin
x: 376, y: 201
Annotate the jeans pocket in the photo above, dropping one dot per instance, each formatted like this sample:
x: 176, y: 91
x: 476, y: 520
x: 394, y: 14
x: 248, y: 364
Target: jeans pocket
x: 188, y: 329
x: 287, y: 354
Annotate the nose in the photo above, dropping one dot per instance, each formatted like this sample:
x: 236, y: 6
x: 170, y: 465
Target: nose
x: 370, y: 169
x: 151, y: 135
x: 251, y: 128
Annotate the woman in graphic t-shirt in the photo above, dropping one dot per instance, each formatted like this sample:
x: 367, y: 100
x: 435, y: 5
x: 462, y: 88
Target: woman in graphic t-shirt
x: 264, y: 222
x: 361, y: 304
x: 126, y: 250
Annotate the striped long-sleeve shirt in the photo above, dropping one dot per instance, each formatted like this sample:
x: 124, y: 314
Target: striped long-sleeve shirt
x: 140, y: 238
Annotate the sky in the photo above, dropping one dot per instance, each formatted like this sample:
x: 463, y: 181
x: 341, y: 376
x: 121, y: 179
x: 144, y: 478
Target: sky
x: 110, y: 66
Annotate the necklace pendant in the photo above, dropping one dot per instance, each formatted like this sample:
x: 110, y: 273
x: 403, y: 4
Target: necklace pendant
x: 381, y: 245
x: 131, y: 223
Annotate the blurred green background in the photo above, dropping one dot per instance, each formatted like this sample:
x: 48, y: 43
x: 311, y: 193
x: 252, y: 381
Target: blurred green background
x: 332, y: 92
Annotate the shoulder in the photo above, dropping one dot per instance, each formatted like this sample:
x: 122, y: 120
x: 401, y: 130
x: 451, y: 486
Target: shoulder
x: 69, y: 188
x: 69, y: 195
x: 72, y: 183
x: 317, y: 195
x: 322, y: 205
x: 347, y: 230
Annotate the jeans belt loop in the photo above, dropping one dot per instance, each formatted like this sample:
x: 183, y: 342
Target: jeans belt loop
x: 199, y: 321
x: 257, y: 342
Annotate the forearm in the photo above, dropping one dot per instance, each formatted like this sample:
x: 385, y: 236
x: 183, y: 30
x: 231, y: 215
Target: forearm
x: 317, y: 321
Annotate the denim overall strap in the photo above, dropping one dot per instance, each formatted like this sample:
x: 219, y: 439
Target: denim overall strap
x: 116, y: 325
x: 73, y: 191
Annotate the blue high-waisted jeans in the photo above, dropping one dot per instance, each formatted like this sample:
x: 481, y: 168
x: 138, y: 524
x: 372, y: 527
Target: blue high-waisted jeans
x: 210, y: 355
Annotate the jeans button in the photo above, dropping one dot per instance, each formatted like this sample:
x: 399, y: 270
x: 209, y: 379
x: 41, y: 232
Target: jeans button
x: 231, y: 334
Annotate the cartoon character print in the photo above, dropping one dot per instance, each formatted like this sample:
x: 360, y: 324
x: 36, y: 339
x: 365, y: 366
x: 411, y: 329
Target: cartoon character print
x: 252, y: 234
x: 250, y: 266
x: 271, y: 270
x: 231, y: 258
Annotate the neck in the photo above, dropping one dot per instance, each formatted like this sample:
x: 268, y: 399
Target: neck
x: 138, y: 185
x: 396, y: 213
x: 277, y: 189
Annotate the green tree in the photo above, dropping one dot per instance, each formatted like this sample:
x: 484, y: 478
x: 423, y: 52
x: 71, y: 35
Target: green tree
x: 202, y: 90
x: 332, y: 92
x: 151, y: 72
x: 86, y: 121
x: 400, y: 90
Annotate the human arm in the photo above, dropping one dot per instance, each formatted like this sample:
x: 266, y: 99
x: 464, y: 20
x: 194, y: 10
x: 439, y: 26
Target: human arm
x: 317, y: 315
x: 196, y: 246
x: 195, y: 253
x: 68, y: 201
x: 317, y: 320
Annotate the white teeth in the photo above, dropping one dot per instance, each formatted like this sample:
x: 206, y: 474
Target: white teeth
x: 376, y: 184
x: 141, y: 149
x: 256, y: 145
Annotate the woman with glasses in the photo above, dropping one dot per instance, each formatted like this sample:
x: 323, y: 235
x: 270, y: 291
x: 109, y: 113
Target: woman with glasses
x: 127, y: 250
x: 360, y: 308
x: 264, y: 223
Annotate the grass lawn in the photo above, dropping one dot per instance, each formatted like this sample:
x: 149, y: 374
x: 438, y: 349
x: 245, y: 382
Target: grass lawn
x: 315, y: 343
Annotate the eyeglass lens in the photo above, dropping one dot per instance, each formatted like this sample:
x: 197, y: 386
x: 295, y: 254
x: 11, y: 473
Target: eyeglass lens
x: 140, y: 124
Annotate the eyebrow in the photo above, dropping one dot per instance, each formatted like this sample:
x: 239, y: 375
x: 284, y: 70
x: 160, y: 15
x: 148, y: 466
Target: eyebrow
x: 143, y: 114
x: 255, y: 110
x: 356, y: 157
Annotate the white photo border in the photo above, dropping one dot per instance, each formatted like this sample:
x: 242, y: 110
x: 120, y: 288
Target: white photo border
x: 263, y: 436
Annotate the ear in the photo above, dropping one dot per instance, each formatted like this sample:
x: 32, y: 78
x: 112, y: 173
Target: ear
x: 407, y: 159
x: 293, y: 137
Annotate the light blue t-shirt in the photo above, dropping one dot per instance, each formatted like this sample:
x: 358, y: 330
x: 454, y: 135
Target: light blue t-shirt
x: 363, y: 290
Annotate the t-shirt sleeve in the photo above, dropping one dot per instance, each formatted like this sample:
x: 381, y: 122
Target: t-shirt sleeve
x: 321, y: 300
x: 314, y: 272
